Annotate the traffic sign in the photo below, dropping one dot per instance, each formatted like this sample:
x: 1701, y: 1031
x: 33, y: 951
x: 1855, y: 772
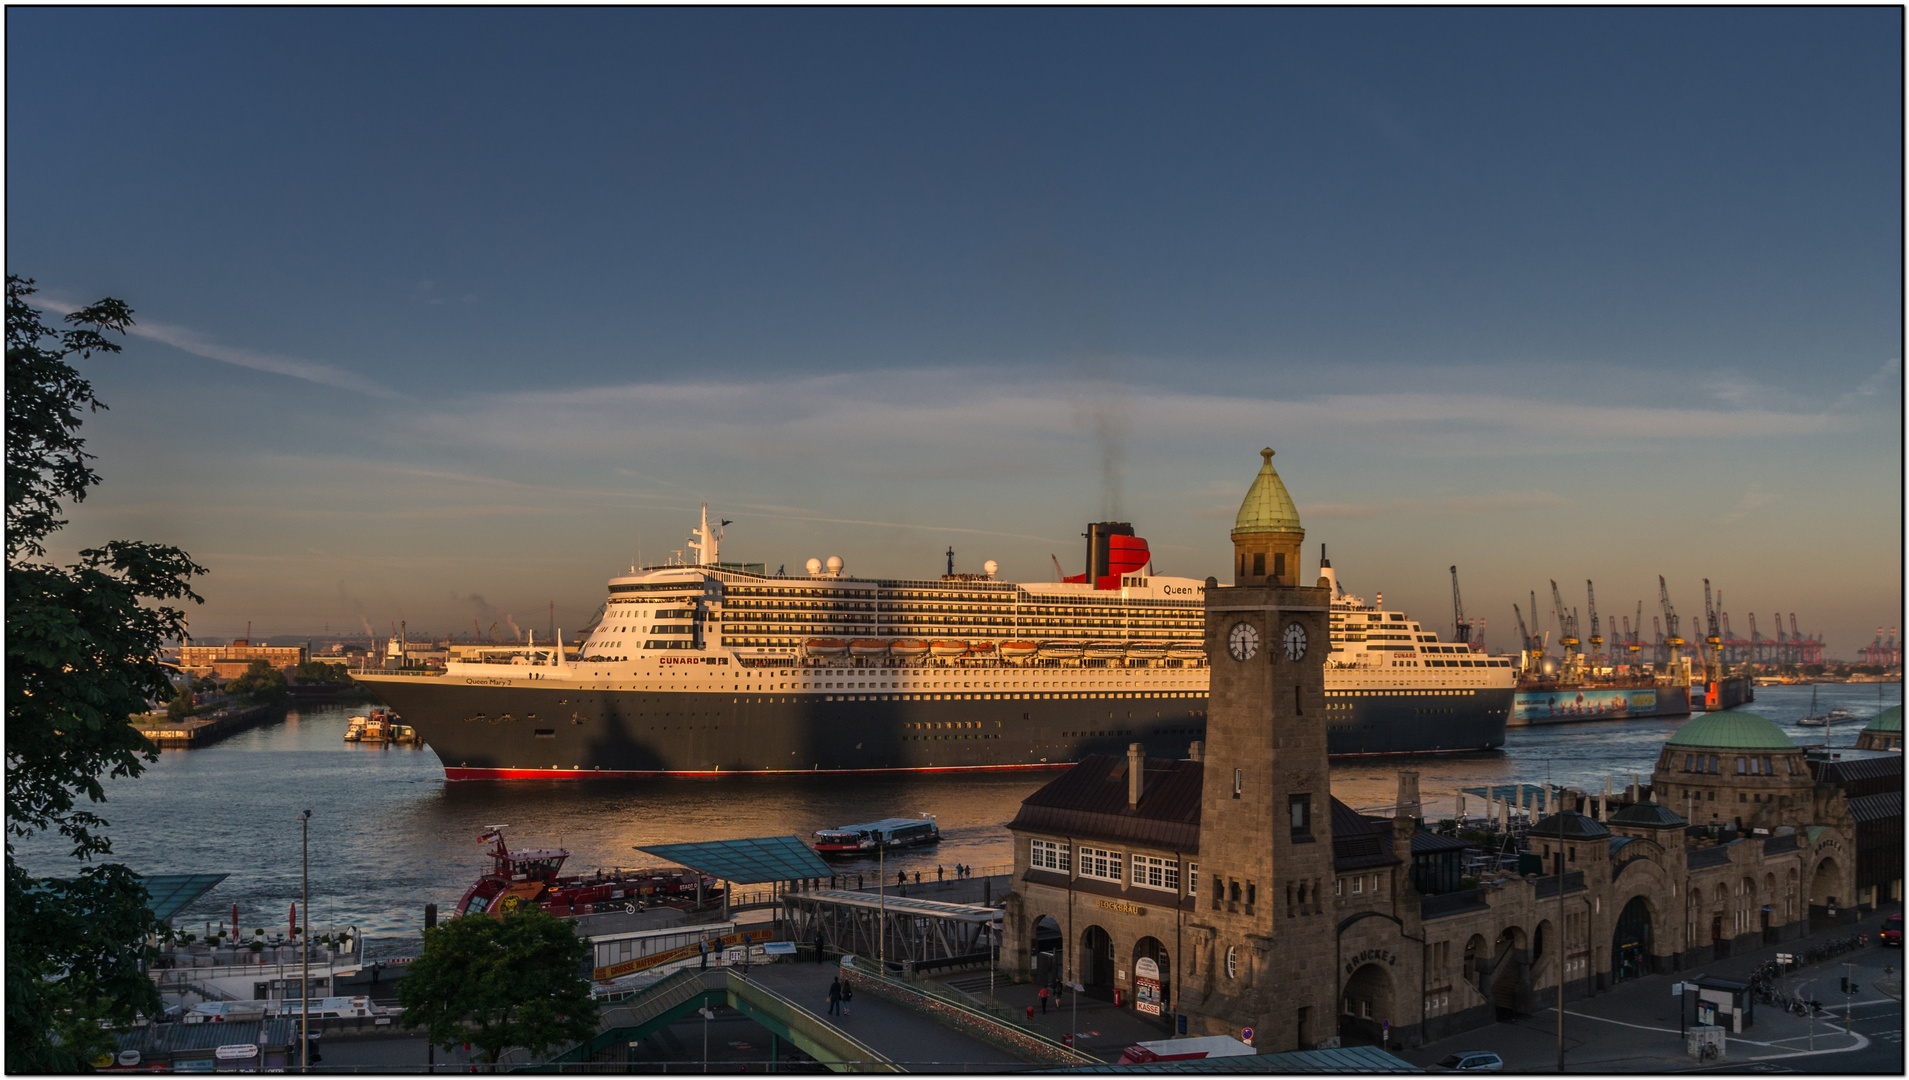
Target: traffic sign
x: 1246, y: 1035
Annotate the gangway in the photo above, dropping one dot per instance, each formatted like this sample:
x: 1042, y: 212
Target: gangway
x: 898, y: 930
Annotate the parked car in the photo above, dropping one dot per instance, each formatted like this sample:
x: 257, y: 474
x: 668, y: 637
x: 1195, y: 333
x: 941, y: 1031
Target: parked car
x: 1473, y: 1061
x: 1892, y: 931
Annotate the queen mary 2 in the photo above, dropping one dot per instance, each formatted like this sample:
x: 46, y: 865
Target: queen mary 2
x: 712, y: 668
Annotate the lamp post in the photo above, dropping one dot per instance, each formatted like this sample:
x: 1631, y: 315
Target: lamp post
x: 881, y: 903
x: 305, y: 943
x: 707, y: 1016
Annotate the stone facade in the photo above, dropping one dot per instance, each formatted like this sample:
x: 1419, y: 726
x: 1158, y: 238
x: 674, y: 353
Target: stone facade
x: 1265, y: 903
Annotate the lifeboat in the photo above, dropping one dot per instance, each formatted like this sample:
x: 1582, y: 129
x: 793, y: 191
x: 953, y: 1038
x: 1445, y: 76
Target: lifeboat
x: 1146, y: 650
x: 1019, y: 652
x: 908, y: 648
x: 948, y: 650
x: 1186, y: 650
x: 824, y: 646
x: 870, y: 647
x: 1060, y: 650
x: 981, y: 650
x: 1104, y: 650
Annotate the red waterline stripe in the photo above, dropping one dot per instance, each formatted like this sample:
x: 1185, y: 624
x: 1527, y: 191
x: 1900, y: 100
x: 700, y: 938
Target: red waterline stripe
x: 712, y: 774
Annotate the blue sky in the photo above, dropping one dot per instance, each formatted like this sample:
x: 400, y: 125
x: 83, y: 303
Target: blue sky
x: 446, y: 313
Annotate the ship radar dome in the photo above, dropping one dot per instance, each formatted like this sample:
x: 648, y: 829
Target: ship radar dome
x: 815, y: 566
x: 991, y: 567
x: 835, y: 564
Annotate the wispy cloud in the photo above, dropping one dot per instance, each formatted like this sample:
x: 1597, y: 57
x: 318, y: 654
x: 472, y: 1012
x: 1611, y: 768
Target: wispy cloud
x: 1504, y: 502
x: 1753, y: 500
x: 192, y: 341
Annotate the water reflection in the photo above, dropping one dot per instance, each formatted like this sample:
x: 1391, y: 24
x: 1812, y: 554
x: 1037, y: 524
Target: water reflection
x: 390, y: 835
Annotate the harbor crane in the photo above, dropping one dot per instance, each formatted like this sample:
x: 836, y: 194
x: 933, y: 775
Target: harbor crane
x: 1636, y: 630
x: 1672, y: 642
x: 1567, y: 625
x: 1530, y: 644
x: 1597, y: 634
x: 1461, y: 626
x: 1713, y: 638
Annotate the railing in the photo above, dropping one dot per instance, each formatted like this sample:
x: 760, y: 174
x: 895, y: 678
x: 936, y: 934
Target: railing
x: 990, y: 1022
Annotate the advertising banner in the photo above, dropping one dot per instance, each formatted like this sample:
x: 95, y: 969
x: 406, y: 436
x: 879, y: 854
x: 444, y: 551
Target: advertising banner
x: 1146, y: 981
x: 1563, y: 706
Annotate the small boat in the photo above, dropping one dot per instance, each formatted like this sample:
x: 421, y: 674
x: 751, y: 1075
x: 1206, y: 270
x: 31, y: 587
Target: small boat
x: 355, y: 730
x: 1104, y: 650
x: 536, y: 877
x: 908, y: 648
x: 1186, y: 650
x: 948, y: 650
x: 877, y: 836
x: 378, y: 727
x: 1815, y: 719
x: 1146, y: 650
x: 825, y: 646
x: 1019, y: 652
x: 868, y: 647
x: 1060, y: 650
x: 405, y: 735
x: 981, y: 650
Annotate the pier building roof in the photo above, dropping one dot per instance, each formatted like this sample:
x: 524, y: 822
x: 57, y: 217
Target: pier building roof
x: 1569, y: 825
x: 1732, y: 730
x: 171, y: 893
x: 1268, y: 506
x: 751, y: 861
x: 1889, y: 719
x: 1648, y: 815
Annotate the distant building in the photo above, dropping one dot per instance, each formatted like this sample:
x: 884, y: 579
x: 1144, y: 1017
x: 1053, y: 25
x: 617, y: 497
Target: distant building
x: 1884, y: 732
x: 230, y: 661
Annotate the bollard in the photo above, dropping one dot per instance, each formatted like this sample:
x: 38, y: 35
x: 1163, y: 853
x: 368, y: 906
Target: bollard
x: 1030, y: 1012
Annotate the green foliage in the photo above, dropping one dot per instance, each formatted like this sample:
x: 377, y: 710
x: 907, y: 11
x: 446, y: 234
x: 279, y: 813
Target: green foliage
x: 82, y: 649
x: 317, y: 671
x: 497, y: 983
x: 181, y: 705
x: 261, y: 682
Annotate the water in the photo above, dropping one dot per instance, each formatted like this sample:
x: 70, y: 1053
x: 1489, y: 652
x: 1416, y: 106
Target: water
x: 389, y: 835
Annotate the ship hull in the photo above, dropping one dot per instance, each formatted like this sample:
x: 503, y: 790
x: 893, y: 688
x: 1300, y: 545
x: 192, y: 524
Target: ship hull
x: 1585, y: 704
x: 534, y: 732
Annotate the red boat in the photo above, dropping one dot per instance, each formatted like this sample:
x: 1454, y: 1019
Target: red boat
x: 535, y: 877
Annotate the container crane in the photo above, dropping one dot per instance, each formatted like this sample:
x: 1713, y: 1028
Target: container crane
x: 1597, y: 634
x: 1635, y: 631
x: 1531, y: 644
x: 1713, y: 638
x: 1673, y: 642
x: 1461, y: 626
x: 1566, y: 624
x: 1782, y: 643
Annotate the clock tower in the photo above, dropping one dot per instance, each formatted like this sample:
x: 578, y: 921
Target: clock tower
x: 1266, y: 863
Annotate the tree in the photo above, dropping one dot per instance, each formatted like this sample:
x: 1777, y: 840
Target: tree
x: 317, y: 671
x: 519, y: 979
x: 261, y: 681
x: 82, y: 648
x: 181, y: 705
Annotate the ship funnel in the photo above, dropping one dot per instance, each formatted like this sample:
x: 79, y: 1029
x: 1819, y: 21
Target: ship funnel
x: 1328, y: 577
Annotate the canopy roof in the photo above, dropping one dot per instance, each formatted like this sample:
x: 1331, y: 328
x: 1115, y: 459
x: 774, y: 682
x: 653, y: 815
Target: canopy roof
x: 751, y: 861
x: 173, y: 893
x: 1889, y: 719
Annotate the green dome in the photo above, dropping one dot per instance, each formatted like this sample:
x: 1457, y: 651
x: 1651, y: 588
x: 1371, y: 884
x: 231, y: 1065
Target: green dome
x: 1267, y: 508
x: 1889, y: 719
x: 1732, y: 730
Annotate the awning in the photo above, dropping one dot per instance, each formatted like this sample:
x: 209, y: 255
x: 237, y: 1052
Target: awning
x: 746, y: 862
x: 173, y: 893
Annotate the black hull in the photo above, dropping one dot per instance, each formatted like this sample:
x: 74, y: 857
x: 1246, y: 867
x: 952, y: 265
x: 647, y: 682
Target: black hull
x: 566, y: 733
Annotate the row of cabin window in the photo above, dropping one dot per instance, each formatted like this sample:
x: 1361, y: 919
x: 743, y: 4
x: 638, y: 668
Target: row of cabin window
x: 1746, y: 766
x: 1359, y: 885
x: 1101, y: 863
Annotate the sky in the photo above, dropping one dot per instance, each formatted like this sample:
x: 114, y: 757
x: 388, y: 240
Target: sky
x: 447, y: 315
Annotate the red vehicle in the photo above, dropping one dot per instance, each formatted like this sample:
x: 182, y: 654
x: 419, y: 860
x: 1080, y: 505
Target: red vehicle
x: 535, y: 877
x: 1892, y: 931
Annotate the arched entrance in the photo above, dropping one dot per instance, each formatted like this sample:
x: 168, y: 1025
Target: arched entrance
x: 1097, y: 962
x: 1823, y: 885
x: 1630, y: 941
x: 1365, y: 1005
x: 1152, y: 978
x: 1511, y: 973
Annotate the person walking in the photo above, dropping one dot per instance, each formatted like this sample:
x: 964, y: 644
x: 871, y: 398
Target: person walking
x: 848, y: 995
x: 819, y: 955
x: 1043, y: 1001
x: 835, y: 996
x: 917, y: 877
x: 938, y: 878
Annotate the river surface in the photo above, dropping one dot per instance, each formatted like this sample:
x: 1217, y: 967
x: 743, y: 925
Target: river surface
x: 389, y: 834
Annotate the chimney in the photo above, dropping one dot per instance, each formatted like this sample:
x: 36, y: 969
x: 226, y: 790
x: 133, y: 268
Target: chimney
x: 1408, y: 806
x: 1136, y: 773
x: 1196, y: 751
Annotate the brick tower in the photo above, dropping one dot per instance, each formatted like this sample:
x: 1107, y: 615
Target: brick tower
x: 1266, y: 863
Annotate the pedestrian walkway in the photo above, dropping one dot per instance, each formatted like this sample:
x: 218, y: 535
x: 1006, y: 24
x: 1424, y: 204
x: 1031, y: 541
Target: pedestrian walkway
x: 1635, y: 1027
x: 1099, y: 1028
x: 907, y: 1038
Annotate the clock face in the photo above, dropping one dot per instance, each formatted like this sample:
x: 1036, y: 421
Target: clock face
x: 1295, y: 638
x: 1243, y: 641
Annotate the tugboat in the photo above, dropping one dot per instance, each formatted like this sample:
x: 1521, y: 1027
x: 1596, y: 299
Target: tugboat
x: 535, y: 876
x: 877, y: 836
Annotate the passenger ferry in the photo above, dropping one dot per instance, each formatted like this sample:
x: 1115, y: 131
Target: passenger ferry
x: 714, y: 668
x: 877, y: 836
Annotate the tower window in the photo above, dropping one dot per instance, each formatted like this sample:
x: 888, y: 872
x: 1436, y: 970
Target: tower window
x: 1299, y: 809
x: 1279, y: 564
x: 1259, y: 564
x: 1239, y: 781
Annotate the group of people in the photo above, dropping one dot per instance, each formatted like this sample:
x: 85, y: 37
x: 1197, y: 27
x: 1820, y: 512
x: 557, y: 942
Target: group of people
x: 941, y: 874
x: 840, y: 994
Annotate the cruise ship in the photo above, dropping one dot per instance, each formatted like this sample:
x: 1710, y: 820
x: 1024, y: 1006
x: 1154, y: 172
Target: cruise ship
x: 711, y: 668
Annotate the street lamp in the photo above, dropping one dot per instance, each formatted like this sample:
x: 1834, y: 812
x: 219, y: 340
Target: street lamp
x: 708, y: 1015
x: 305, y: 943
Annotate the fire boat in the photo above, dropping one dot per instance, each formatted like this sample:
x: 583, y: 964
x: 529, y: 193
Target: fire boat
x: 535, y: 876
